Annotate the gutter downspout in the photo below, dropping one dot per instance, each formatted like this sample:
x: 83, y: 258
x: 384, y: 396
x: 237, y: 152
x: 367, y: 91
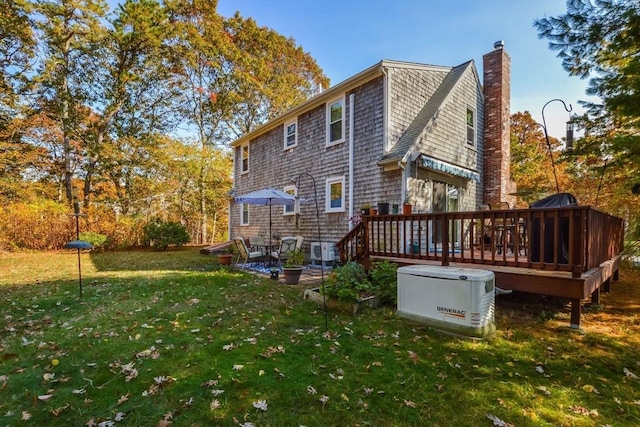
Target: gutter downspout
x: 351, y: 133
x: 386, y: 108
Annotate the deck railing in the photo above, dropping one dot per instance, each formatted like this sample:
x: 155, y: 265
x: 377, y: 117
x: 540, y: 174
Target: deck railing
x: 572, y: 238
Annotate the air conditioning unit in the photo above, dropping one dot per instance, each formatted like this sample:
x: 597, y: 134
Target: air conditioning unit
x: 455, y: 300
x: 322, y: 251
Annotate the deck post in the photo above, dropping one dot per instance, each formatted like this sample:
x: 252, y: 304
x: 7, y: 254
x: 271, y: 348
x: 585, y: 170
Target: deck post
x: 575, y: 313
x: 595, y: 296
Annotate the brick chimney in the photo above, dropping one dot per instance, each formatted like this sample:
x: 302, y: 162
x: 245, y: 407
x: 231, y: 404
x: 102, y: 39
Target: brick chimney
x: 497, y: 129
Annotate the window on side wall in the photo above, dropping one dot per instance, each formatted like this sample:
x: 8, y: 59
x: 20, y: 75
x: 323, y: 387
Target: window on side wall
x: 244, y: 214
x: 244, y: 153
x: 291, y: 209
x: 290, y: 134
x: 335, y: 121
x: 335, y: 194
x: 471, y: 126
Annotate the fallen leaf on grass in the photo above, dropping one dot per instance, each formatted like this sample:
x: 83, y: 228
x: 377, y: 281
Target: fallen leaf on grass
x: 215, y: 404
x: 498, y: 422
x: 261, y: 404
x: 45, y: 396
x: 629, y: 374
x: 59, y: 410
x: 544, y: 390
x: 590, y: 389
x: 25, y: 416
x: 123, y: 399
x: 409, y: 403
x: 584, y: 411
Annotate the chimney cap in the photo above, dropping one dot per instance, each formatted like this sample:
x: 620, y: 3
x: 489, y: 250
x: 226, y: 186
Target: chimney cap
x: 499, y: 45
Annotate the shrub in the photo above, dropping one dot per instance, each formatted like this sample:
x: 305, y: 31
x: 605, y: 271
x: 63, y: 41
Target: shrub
x: 160, y: 234
x: 45, y: 225
x: 348, y: 283
x: 384, y: 281
x: 97, y: 240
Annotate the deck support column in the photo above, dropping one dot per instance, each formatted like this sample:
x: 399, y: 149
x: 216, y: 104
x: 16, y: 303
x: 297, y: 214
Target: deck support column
x: 595, y: 296
x: 575, y: 313
x: 606, y: 286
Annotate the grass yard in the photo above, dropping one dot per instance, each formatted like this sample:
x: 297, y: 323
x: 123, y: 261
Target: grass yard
x: 169, y: 337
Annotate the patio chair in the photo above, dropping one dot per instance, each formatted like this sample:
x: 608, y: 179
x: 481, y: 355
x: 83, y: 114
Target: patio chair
x: 504, y: 229
x: 258, y: 243
x: 287, y: 246
x: 245, y: 254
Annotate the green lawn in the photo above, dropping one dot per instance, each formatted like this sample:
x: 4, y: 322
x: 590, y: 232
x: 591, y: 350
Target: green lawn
x: 169, y: 337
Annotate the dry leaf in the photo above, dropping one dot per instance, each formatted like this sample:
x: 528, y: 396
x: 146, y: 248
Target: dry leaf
x: 123, y: 399
x: 498, y: 422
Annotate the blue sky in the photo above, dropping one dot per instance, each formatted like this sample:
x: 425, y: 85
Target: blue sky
x: 347, y: 36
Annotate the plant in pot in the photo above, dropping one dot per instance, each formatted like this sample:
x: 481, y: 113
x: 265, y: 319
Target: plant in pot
x: 365, y: 209
x: 407, y: 207
x: 292, y: 267
x: 225, y: 257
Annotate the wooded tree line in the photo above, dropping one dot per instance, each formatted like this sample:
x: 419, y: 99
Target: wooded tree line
x: 134, y: 109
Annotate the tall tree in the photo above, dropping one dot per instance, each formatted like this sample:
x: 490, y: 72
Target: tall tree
x: 600, y: 39
x: 131, y: 88
x: 66, y: 28
x: 236, y: 75
x: 17, y: 48
x: 531, y: 166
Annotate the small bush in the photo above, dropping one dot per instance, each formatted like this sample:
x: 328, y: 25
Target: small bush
x: 97, y: 240
x: 348, y: 283
x: 160, y: 234
x: 384, y: 282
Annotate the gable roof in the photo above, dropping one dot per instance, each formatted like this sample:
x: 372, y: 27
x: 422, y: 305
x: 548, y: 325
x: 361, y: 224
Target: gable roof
x: 344, y: 86
x: 427, y: 114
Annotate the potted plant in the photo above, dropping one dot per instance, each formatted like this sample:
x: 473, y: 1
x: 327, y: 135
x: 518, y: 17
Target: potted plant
x: 292, y: 267
x: 225, y: 257
x: 383, y: 208
x: 365, y: 209
x: 407, y: 207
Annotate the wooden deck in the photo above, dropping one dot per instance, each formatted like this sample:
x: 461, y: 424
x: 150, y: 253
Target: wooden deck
x: 572, y: 252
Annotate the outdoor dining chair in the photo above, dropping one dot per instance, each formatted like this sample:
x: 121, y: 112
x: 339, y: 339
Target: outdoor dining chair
x: 287, y: 246
x: 245, y: 254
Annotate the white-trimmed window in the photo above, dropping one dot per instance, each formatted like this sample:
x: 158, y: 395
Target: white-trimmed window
x: 334, y: 194
x: 244, y: 158
x: 244, y: 214
x: 471, y: 126
x: 291, y: 209
x: 290, y: 134
x: 335, y: 121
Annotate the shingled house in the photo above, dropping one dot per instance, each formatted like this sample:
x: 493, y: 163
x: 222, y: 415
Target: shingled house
x: 431, y: 134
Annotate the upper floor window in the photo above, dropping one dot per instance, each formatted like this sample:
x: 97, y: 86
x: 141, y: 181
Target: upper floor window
x: 244, y: 214
x: 335, y: 194
x: 471, y: 126
x: 244, y: 150
x: 335, y: 121
x: 290, y: 134
x: 291, y: 209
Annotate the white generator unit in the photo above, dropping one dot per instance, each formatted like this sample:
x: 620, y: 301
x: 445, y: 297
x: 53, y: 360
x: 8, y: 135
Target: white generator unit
x: 452, y: 299
x: 322, y: 252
